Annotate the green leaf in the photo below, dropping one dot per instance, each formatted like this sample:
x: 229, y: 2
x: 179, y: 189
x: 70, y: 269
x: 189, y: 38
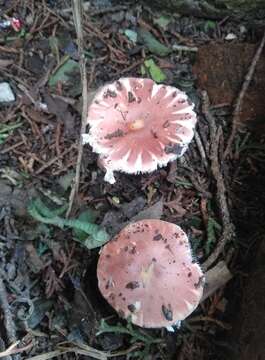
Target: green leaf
x: 129, y: 329
x: 6, y: 130
x: 54, y: 45
x: 94, y: 235
x: 41, y: 307
x: 99, y: 235
x: 212, y: 227
x: 142, y: 70
x: 162, y: 21
x: 64, y: 73
x: 3, y: 137
x: 34, y: 212
x: 153, y: 45
x: 92, y: 242
x: 131, y: 35
x: 155, y: 72
x: 45, y: 211
x: 209, y: 25
x: 88, y: 216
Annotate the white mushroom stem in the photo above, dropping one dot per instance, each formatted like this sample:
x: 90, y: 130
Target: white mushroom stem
x: 109, y: 176
x: 85, y: 139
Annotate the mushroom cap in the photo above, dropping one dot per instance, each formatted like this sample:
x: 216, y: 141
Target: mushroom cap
x: 147, y: 273
x: 137, y: 125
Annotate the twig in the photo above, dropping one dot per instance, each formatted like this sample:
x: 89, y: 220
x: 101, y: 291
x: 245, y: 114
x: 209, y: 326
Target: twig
x: 177, y: 47
x: 9, y: 324
x: 9, y: 50
x: 12, y: 147
x: 238, y: 104
x: 14, y: 349
x: 228, y: 228
x: 131, y: 67
x: 52, y: 161
x: 209, y: 319
x: 83, y: 349
x: 201, y: 149
x: 77, y: 11
x: 9, y: 350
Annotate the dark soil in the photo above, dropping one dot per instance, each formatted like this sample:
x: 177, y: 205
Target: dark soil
x: 49, y: 299
x: 224, y: 77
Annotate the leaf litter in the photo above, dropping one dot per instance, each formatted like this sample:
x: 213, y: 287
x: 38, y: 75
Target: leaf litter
x: 42, y: 267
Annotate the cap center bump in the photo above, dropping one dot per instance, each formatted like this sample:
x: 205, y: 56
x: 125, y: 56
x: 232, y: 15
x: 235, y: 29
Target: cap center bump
x: 137, y: 124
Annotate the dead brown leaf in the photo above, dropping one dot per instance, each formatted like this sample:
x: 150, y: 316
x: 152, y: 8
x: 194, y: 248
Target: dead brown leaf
x: 176, y: 207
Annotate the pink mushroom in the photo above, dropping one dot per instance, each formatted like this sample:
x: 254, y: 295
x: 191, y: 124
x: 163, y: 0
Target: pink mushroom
x: 147, y: 273
x: 137, y: 125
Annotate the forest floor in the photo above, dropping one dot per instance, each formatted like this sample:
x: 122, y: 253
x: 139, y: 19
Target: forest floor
x: 50, y: 306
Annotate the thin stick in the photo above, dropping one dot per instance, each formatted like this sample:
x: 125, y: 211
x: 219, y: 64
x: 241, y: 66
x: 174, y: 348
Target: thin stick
x: 209, y: 319
x: 9, y: 324
x: 12, y: 147
x: 201, y: 149
x: 9, y: 350
x: 13, y: 349
x: 228, y: 228
x: 239, y: 101
x: 77, y: 12
x: 52, y: 161
x: 177, y: 47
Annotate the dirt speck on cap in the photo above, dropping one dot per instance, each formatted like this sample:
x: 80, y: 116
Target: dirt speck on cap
x: 167, y: 312
x: 132, y: 285
x: 116, y: 133
x: 157, y: 237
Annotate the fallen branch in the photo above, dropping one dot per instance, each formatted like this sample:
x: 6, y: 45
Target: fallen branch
x: 239, y: 100
x: 228, y: 228
x: 77, y: 12
x: 216, y: 278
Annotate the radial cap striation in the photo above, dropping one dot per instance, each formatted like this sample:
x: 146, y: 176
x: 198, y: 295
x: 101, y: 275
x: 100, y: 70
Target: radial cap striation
x: 137, y: 125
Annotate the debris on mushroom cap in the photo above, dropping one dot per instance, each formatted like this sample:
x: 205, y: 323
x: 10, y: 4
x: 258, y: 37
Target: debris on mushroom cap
x: 147, y: 273
x: 137, y: 125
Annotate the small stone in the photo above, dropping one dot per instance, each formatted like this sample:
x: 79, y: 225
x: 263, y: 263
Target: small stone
x: 230, y: 37
x: 116, y: 200
x: 86, y: 5
x: 6, y: 93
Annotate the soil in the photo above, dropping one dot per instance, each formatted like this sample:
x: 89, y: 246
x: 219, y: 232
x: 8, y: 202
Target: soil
x: 50, y: 305
x: 225, y: 75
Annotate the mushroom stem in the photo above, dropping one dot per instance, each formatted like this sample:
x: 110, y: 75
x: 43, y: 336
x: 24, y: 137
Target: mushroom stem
x: 85, y: 139
x: 109, y: 176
